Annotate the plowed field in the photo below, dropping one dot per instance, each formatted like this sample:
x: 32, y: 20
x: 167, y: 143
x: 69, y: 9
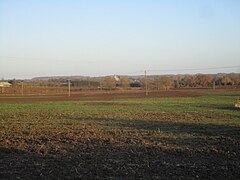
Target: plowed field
x: 97, y: 95
x: 172, y: 135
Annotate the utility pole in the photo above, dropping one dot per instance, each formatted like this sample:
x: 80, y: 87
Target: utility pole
x: 22, y: 88
x: 214, y: 86
x: 146, y: 84
x: 69, y: 87
x: 101, y: 84
x: 89, y: 84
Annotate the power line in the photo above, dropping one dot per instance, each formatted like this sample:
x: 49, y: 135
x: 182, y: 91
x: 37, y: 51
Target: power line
x: 134, y: 72
x: 184, y: 69
x: 150, y: 70
x: 195, y: 69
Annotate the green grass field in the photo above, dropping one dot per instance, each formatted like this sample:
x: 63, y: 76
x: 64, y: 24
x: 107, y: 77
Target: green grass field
x: 172, y: 137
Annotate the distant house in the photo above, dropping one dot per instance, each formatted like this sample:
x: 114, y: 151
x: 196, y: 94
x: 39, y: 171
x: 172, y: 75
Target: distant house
x: 117, y: 79
x: 5, y: 84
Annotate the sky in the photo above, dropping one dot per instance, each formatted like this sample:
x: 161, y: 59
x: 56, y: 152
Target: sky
x: 103, y: 37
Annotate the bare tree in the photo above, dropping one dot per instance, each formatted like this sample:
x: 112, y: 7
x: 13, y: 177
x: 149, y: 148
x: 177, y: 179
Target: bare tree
x: 109, y: 82
x: 164, y: 82
x: 125, y: 82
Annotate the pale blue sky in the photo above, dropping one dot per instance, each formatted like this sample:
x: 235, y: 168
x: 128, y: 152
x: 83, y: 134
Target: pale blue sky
x: 57, y: 37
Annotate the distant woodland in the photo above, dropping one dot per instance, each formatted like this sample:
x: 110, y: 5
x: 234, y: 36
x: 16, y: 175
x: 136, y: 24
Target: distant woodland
x: 154, y: 82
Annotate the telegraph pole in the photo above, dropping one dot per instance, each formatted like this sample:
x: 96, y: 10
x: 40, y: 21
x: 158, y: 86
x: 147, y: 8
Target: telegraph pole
x: 69, y: 87
x: 89, y: 84
x: 101, y: 84
x: 22, y: 88
x: 146, y: 84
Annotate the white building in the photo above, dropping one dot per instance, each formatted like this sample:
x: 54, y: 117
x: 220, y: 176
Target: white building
x: 117, y: 79
x: 5, y: 84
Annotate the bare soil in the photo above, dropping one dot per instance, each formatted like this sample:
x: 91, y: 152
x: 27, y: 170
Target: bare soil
x: 98, y: 95
x: 130, y: 152
x: 63, y: 145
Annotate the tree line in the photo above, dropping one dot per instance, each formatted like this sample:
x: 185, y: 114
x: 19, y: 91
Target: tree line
x: 155, y: 82
x: 158, y: 82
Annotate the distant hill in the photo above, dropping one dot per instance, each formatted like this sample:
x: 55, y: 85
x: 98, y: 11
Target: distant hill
x: 58, y: 77
x: 134, y: 77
